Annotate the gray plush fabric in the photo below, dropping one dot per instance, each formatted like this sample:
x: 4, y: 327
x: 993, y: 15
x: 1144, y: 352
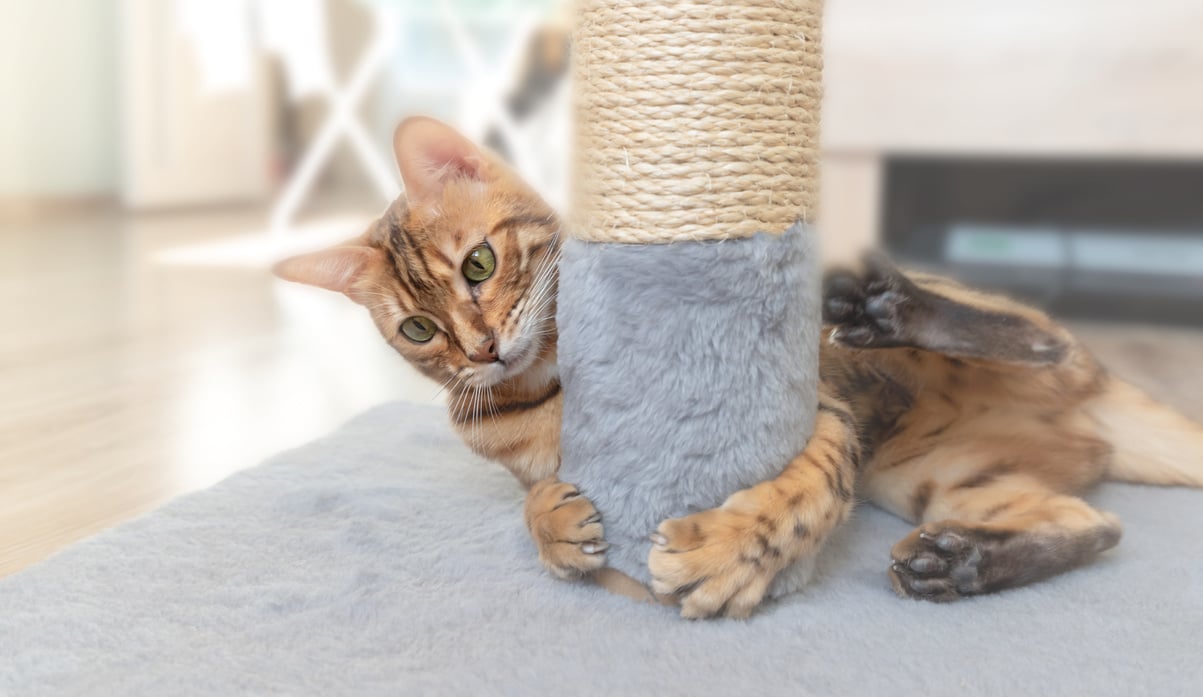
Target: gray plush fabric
x: 689, y: 370
x: 388, y: 560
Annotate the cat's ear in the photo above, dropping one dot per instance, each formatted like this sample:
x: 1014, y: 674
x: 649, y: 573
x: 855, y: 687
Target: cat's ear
x: 336, y: 268
x: 430, y: 153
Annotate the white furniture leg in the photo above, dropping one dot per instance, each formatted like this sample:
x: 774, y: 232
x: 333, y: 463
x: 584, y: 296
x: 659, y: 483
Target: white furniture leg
x: 342, y: 120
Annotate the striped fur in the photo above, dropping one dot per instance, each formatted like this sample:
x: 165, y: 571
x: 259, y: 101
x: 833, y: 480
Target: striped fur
x: 974, y: 417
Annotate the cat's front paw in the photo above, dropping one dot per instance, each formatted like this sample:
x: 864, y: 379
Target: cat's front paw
x: 566, y: 528
x: 869, y: 309
x: 715, y: 563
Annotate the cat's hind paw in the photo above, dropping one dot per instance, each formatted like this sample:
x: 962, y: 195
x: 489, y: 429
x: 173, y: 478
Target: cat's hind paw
x: 937, y: 563
x: 868, y: 310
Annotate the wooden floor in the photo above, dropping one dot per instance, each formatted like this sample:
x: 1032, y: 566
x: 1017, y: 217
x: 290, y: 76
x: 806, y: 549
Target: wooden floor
x: 140, y: 361
x: 145, y: 357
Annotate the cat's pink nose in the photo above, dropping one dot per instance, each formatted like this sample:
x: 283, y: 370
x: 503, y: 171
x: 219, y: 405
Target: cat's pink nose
x: 486, y: 352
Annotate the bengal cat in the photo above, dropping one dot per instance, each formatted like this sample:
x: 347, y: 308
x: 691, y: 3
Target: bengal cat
x: 975, y: 417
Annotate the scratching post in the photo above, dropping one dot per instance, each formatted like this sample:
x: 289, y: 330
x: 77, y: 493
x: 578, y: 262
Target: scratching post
x: 688, y: 308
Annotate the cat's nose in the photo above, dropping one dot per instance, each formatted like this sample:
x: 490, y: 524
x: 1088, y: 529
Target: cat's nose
x: 486, y: 352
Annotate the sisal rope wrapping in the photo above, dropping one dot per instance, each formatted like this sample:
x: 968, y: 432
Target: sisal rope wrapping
x: 695, y: 120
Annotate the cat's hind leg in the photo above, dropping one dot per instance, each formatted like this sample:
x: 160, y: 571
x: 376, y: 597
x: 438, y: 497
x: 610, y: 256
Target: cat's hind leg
x: 986, y: 523
x: 1045, y: 534
x: 883, y: 307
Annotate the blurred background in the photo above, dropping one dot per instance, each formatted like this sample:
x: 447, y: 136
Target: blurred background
x: 156, y: 156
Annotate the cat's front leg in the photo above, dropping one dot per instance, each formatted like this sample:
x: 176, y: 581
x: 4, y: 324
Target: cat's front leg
x: 721, y: 562
x: 566, y: 528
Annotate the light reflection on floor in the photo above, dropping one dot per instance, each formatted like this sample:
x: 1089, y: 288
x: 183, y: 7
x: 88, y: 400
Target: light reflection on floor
x: 148, y: 356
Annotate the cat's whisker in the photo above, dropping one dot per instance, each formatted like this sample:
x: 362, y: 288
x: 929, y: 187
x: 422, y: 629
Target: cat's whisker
x: 474, y: 415
x: 463, y: 401
x: 458, y: 401
x: 539, y: 311
x: 479, y: 410
x: 542, y: 284
x: 539, y: 286
x: 476, y: 411
x: 471, y: 416
x: 492, y: 405
x: 462, y: 415
x: 544, y: 317
x: 544, y: 295
x: 547, y: 265
x: 550, y: 273
x: 448, y: 384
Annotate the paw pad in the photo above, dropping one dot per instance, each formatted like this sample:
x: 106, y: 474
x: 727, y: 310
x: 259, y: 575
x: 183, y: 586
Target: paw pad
x: 867, y: 309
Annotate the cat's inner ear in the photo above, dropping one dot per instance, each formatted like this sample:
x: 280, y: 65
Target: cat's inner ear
x: 430, y: 153
x: 336, y: 268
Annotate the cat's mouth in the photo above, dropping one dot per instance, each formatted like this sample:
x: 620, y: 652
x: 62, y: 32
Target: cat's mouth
x: 494, y: 374
x: 515, y: 360
x: 517, y: 354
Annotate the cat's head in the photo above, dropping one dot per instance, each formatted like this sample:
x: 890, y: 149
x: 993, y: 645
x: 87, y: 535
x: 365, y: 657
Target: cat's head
x: 460, y: 272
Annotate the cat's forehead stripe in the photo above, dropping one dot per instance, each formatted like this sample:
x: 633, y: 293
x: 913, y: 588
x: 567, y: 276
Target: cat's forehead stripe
x: 415, y: 269
x: 442, y: 258
x: 404, y: 292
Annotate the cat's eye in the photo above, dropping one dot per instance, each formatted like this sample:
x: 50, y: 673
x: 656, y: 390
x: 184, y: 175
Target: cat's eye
x: 418, y: 329
x: 479, y: 264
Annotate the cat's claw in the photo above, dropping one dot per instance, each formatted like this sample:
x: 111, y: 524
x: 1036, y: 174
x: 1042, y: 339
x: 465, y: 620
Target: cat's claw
x: 566, y: 529
x: 711, y: 564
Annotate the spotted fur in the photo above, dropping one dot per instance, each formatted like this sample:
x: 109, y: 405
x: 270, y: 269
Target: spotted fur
x: 975, y: 417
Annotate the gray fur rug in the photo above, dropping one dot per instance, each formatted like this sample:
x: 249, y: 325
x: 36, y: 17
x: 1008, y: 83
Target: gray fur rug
x: 387, y: 560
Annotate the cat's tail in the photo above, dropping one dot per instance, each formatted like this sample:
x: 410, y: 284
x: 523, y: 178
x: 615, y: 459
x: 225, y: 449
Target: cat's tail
x: 1153, y: 443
